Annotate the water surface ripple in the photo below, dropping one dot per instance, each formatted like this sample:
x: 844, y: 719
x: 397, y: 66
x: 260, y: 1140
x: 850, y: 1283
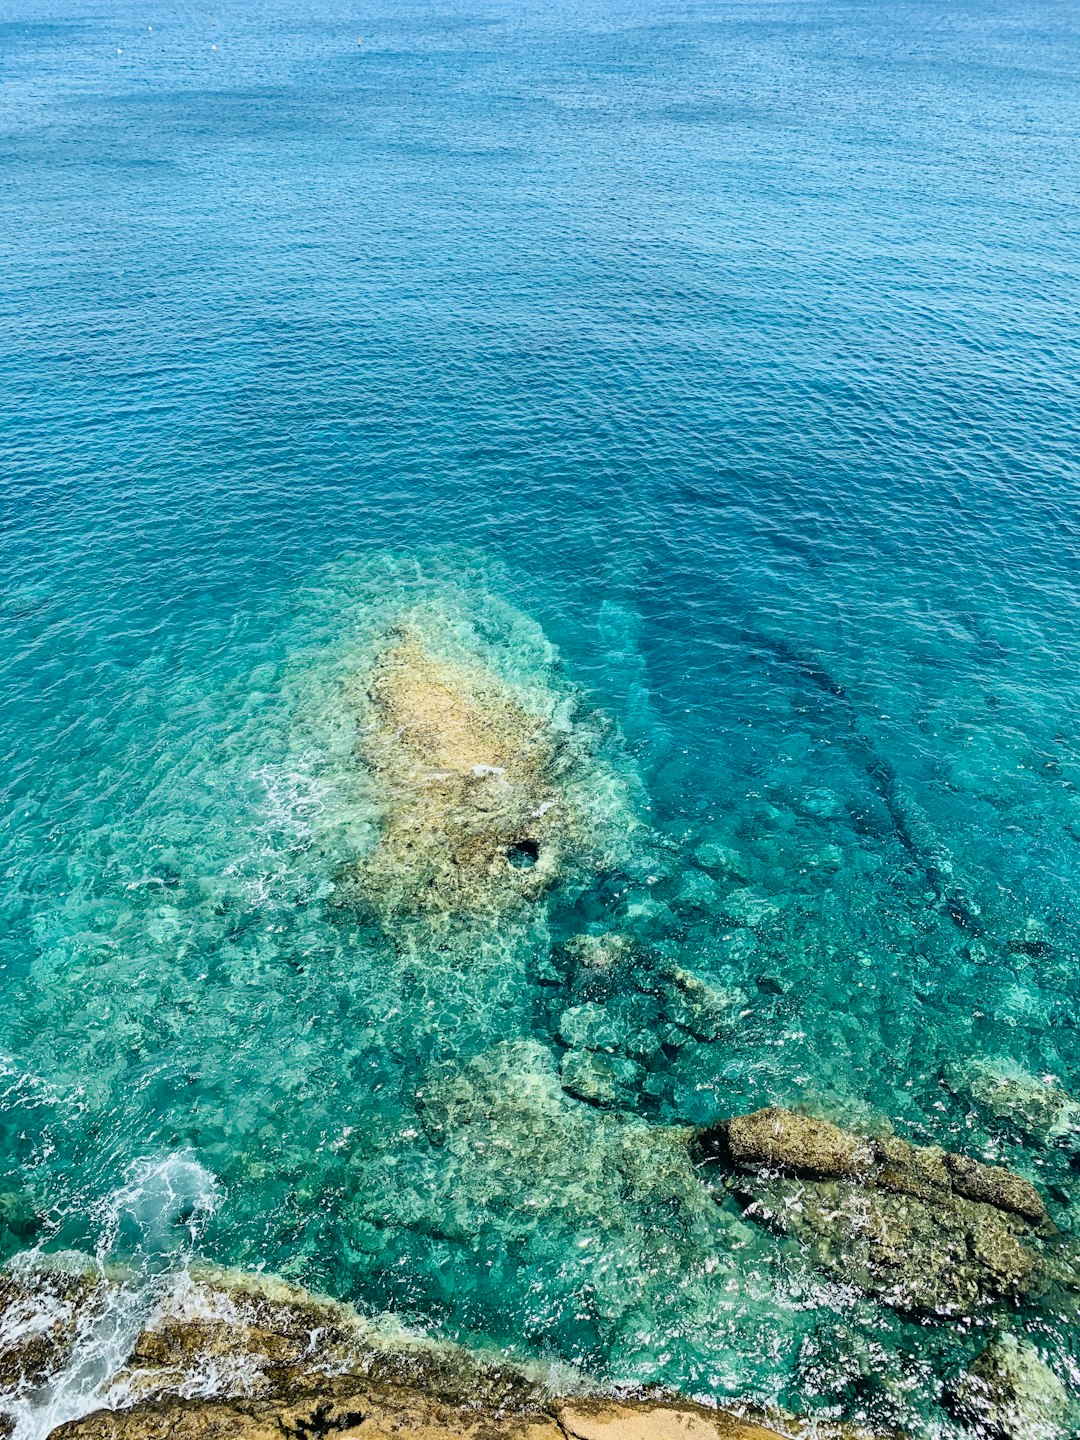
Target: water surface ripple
x: 731, y: 349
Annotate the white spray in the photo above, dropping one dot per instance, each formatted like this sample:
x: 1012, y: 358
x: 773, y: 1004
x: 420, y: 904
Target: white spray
x: 150, y: 1226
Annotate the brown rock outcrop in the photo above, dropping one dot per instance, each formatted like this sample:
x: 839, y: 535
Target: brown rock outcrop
x: 471, y: 818
x: 373, y: 1412
x: 271, y: 1362
x: 917, y: 1227
x: 806, y: 1146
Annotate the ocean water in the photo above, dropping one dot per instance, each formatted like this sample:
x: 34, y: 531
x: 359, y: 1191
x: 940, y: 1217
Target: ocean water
x: 711, y: 370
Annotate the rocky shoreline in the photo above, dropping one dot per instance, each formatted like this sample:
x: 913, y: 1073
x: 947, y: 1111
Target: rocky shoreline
x: 382, y: 1413
x: 229, y: 1354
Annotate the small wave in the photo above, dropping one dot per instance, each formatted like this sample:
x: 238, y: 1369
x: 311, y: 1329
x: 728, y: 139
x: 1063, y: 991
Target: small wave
x: 150, y: 1224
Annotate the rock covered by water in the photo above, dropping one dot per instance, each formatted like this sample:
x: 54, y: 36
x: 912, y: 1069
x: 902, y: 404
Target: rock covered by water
x: 1008, y: 1392
x: 922, y: 1229
x: 1038, y: 1109
x: 490, y: 791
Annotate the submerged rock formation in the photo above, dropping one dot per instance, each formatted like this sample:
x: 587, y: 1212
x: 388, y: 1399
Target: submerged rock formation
x: 241, y: 1357
x: 1008, y: 1392
x: 917, y: 1227
x: 480, y: 790
x: 1035, y: 1109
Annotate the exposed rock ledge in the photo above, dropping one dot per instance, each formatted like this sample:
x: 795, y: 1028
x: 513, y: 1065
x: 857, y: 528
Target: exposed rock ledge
x: 376, y: 1412
x: 239, y: 1357
x: 922, y: 1229
x: 251, y: 1358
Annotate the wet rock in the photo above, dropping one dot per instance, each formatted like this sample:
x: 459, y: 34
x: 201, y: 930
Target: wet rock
x: 592, y: 1027
x: 39, y: 1313
x: 599, y: 1079
x: 470, y: 787
x: 924, y: 1230
x: 381, y: 1413
x: 598, y: 952
x: 19, y: 1216
x: 995, y: 1186
x: 696, y: 1005
x: 721, y: 861
x: 1010, y: 1393
x: 697, y: 894
x: 785, y: 1140
x: 268, y: 1361
x: 1037, y: 1109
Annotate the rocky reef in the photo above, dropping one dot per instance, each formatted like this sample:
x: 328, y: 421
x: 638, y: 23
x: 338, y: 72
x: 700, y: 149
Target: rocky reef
x: 381, y: 1412
x: 1035, y: 1109
x: 548, y: 1000
x: 921, y: 1229
x: 488, y: 791
x: 250, y: 1358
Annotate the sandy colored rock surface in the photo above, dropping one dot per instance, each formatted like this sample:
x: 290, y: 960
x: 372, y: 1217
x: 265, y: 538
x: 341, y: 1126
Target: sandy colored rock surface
x: 467, y: 777
x: 367, y: 1414
x: 476, y: 786
x: 371, y: 1414
x: 653, y: 1420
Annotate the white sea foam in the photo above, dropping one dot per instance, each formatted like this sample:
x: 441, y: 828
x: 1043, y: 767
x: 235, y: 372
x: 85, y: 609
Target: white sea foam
x: 149, y: 1225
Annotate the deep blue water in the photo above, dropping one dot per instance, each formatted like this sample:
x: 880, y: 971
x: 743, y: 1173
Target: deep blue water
x: 733, y: 347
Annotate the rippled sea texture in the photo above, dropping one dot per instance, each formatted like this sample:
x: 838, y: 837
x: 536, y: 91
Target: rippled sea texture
x: 710, y: 370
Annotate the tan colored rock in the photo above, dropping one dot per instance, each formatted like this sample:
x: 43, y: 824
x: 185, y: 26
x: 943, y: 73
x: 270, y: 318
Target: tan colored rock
x: 367, y: 1414
x: 653, y: 1420
x: 996, y: 1186
x: 907, y: 1169
x: 785, y: 1140
x: 468, y: 783
x: 272, y: 1362
x: 382, y: 1414
x: 923, y: 1230
x: 480, y: 786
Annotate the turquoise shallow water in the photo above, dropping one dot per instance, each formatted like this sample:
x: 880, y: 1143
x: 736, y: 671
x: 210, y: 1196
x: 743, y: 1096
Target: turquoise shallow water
x: 714, y: 363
